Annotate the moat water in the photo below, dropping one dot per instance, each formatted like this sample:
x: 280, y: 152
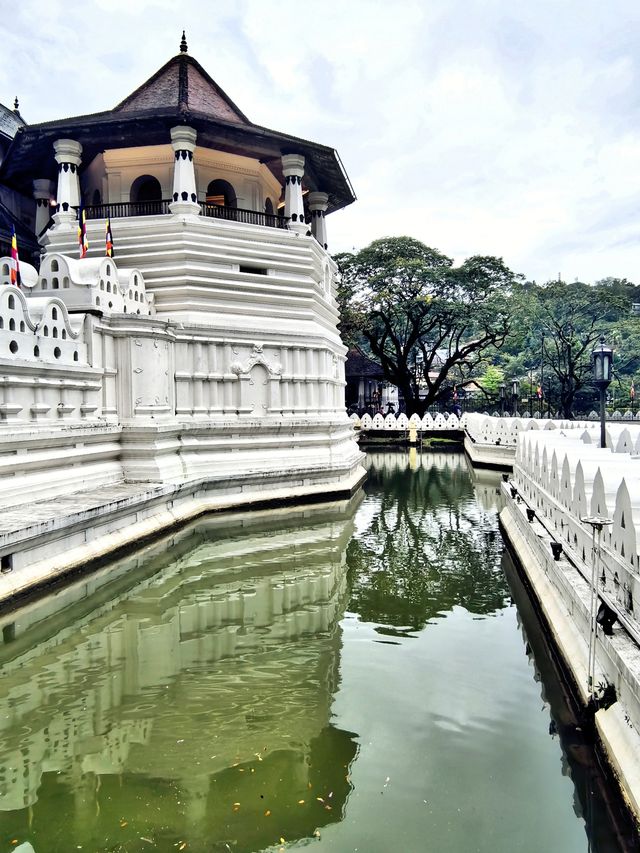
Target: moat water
x: 364, y: 676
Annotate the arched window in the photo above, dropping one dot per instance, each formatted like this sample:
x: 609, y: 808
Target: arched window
x: 145, y: 188
x: 54, y: 266
x: 96, y: 198
x: 268, y: 206
x: 221, y: 193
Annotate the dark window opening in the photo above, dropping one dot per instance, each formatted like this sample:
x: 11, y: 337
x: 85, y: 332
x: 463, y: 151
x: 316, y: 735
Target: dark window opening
x: 221, y: 193
x: 146, y: 188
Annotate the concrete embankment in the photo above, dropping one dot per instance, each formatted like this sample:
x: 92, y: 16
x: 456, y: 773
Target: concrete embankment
x: 560, y: 478
x: 563, y: 597
x: 48, y: 540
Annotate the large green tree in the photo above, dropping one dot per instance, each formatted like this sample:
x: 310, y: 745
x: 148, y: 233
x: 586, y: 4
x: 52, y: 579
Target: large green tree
x: 557, y: 325
x: 427, y: 322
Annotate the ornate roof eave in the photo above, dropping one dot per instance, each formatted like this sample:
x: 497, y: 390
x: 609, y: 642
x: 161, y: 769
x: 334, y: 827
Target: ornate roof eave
x: 31, y: 153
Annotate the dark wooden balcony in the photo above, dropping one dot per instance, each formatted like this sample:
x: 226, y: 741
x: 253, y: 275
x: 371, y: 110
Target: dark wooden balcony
x: 155, y: 208
x: 127, y: 208
x: 248, y: 217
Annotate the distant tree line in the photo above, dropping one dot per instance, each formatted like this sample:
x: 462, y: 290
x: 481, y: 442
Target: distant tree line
x: 434, y: 327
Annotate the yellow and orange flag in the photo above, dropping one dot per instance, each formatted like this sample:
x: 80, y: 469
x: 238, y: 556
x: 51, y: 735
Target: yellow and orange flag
x: 15, y: 260
x: 83, y: 243
x: 109, y: 238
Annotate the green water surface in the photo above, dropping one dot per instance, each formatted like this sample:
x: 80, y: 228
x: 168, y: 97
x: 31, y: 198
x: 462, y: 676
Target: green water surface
x: 345, y: 677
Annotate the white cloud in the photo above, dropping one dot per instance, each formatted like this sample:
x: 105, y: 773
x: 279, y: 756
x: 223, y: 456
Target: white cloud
x: 478, y: 127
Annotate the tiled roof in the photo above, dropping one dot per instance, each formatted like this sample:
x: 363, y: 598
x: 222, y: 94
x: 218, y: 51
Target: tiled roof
x: 358, y: 364
x: 184, y: 84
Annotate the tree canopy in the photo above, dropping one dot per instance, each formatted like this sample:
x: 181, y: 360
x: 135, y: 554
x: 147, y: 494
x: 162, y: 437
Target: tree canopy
x: 555, y: 328
x: 428, y: 323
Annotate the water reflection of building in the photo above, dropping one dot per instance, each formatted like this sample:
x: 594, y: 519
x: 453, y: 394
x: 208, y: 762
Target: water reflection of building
x: 214, y: 673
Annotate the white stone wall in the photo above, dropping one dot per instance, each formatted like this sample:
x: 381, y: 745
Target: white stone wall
x: 212, y: 345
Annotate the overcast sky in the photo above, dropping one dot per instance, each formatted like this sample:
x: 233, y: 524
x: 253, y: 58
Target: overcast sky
x: 478, y: 126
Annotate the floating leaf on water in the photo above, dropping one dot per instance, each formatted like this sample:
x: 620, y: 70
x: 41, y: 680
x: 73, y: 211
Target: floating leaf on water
x: 183, y: 845
x: 316, y: 834
x: 300, y: 802
x: 319, y: 799
x: 124, y: 823
x: 267, y: 813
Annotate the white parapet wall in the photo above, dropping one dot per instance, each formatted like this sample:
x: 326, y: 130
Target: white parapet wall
x: 491, y: 441
x: 202, y: 368
x: 561, y: 476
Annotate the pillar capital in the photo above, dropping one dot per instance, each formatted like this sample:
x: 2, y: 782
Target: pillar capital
x: 68, y: 151
x: 42, y: 189
x: 318, y: 201
x: 293, y: 164
x: 183, y: 138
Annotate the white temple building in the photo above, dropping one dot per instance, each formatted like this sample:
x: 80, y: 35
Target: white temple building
x: 199, y: 366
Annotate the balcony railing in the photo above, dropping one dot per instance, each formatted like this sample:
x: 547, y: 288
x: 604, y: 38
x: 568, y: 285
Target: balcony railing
x: 154, y: 208
x: 127, y: 208
x: 249, y: 217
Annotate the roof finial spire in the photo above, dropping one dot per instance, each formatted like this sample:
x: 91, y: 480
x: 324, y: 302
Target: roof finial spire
x: 183, y: 43
x: 16, y: 105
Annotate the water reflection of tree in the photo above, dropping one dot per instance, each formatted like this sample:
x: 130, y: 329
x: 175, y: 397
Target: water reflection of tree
x: 428, y: 547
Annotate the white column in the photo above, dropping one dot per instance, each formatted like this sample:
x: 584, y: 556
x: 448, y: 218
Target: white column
x: 68, y: 156
x: 293, y: 169
x: 318, y: 203
x: 43, y: 193
x: 185, y: 198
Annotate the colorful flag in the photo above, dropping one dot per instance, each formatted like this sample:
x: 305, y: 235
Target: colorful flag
x: 632, y: 390
x: 15, y: 260
x: 109, y: 238
x: 83, y: 243
x: 455, y: 392
x: 539, y: 392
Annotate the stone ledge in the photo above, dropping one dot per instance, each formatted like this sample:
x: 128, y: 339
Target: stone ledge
x: 135, y: 514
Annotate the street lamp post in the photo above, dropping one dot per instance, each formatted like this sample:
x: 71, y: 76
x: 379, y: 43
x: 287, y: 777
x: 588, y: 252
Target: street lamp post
x: 515, y: 389
x: 502, y: 398
x: 602, y: 357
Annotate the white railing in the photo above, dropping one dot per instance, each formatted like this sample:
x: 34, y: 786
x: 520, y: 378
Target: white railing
x: 428, y: 423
